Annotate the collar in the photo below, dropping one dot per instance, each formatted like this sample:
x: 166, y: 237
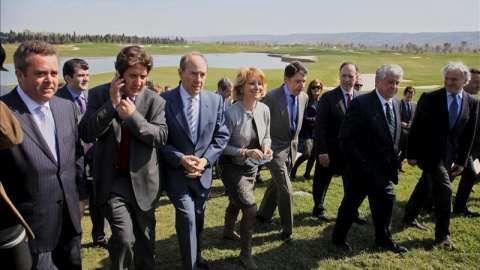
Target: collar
x: 345, y: 91
x: 382, y: 100
x: 185, y: 95
x: 75, y: 95
x: 30, y: 103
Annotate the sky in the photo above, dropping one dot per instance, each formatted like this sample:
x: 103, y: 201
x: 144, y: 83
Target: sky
x: 198, y: 18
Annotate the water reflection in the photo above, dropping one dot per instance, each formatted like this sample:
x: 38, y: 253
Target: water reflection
x: 217, y: 60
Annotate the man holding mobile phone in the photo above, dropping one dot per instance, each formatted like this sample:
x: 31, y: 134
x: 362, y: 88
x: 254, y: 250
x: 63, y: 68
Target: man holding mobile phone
x: 129, y: 126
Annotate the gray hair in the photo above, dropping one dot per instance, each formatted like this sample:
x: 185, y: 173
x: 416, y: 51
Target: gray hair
x: 183, y: 60
x: 224, y: 83
x: 453, y: 66
x: 386, y: 69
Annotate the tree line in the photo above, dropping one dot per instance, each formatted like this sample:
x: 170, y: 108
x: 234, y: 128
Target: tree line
x: 68, y: 38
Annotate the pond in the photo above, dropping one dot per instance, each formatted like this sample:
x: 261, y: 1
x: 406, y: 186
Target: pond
x: 217, y: 60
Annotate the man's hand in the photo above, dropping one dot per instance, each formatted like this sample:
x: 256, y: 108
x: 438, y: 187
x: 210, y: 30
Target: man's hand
x: 125, y: 108
x: 456, y: 169
x: 405, y: 125
x: 412, y: 162
x: 115, y: 87
x: 81, y: 208
x: 193, y: 165
x: 324, y: 160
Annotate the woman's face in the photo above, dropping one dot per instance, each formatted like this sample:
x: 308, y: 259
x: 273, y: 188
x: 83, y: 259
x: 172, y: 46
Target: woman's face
x: 253, y: 88
x: 316, y: 90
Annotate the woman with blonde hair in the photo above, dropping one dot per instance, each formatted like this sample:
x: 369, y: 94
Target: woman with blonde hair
x: 248, y: 122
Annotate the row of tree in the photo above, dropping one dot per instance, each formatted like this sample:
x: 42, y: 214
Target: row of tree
x: 66, y: 38
x: 413, y: 48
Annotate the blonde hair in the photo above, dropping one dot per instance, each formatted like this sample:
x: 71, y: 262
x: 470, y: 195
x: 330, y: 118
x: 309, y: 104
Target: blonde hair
x: 243, y: 74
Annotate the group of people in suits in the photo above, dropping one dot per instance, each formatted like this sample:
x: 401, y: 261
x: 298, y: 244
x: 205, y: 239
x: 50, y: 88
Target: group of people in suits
x: 139, y: 144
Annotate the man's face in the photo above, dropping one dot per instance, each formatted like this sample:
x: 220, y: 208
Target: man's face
x: 348, y: 76
x: 296, y: 83
x: 41, y: 78
x: 79, y: 81
x: 194, y: 76
x: 358, y: 85
x: 473, y: 85
x: 134, y: 78
x: 454, y: 81
x: 225, y: 93
x: 389, y: 86
x: 408, y: 97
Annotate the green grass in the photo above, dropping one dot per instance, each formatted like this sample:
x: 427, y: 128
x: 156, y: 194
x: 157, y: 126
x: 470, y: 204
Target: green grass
x: 312, y: 248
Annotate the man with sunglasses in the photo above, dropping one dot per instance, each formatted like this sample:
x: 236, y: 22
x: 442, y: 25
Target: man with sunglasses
x: 358, y: 84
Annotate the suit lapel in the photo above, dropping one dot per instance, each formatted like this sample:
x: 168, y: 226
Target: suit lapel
x: 176, y: 107
x: 377, y: 108
x: 205, y: 103
x: 283, y: 107
x: 29, y: 125
x: 340, y: 100
x: 398, y: 119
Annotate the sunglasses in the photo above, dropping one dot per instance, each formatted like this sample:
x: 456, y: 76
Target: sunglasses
x: 317, y: 87
x: 358, y: 85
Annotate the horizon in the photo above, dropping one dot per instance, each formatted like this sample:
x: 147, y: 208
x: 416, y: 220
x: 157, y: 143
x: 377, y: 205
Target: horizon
x: 188, y: 18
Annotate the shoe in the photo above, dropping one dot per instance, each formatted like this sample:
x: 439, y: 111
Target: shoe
x: 344, y: 247
x: 287, y: 238
x: 307, y: 176
x: 293, y: 175
x: 203, y: 264
x: 259, y: 179
x: 467, y: 212
x: 415, y: 224
x: 322, y: 216
x: 447, y: 243
x: 264, y: 220
x: 360, y: 220
x: 395, y: 249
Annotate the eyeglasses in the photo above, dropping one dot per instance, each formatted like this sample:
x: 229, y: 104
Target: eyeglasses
x: 358, y: 85
x: 317, y: 87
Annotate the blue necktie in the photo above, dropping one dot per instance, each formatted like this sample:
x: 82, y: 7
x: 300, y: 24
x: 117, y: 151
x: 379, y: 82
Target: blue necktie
x: 293, y: 125
x: 453, y: 111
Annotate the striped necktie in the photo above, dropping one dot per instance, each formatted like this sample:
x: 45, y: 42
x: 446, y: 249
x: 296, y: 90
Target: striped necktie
x: 391, y: 122
x: 192, y: 118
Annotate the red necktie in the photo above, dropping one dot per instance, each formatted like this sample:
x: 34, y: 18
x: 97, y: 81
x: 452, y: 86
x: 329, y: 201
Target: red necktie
x: 349, y: 98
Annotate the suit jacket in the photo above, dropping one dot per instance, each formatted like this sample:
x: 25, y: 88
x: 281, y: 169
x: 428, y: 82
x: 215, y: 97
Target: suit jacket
x: 407, y: 118
x: 284, y: 144
x: 148, y: 133
x: 366, y: 141
x: 330, y: 115
x: 212, y: 136
x: 430, y: 140
x: 37, y: 184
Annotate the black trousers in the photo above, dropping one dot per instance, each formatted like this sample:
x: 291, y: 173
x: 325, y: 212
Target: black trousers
x: 436, y: 183
x: 465, y: 186
x: 321, y: 181
x: 382, y: 201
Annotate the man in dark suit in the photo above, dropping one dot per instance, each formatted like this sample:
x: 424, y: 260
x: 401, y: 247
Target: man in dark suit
x: 44, y: 176
x: 331, y: 161
x: 440, y: 139
x: 407, y: 111
x: 287, y: 104
x: 369, y: 137
x: 128, y: 123
x: 197, y: 137
x: 469, y: 175
x: 76, y: 75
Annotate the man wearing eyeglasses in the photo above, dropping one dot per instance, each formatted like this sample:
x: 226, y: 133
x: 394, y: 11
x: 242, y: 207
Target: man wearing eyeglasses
x: 331, y: 161
x: 358, y: 84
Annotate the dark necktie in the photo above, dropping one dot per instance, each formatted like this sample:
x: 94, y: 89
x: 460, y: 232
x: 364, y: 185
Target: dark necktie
x: 293, y: 125
x: 409, y: 109
x: 124, y: 154
x: 391, y: 122
x: 453, y: 111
